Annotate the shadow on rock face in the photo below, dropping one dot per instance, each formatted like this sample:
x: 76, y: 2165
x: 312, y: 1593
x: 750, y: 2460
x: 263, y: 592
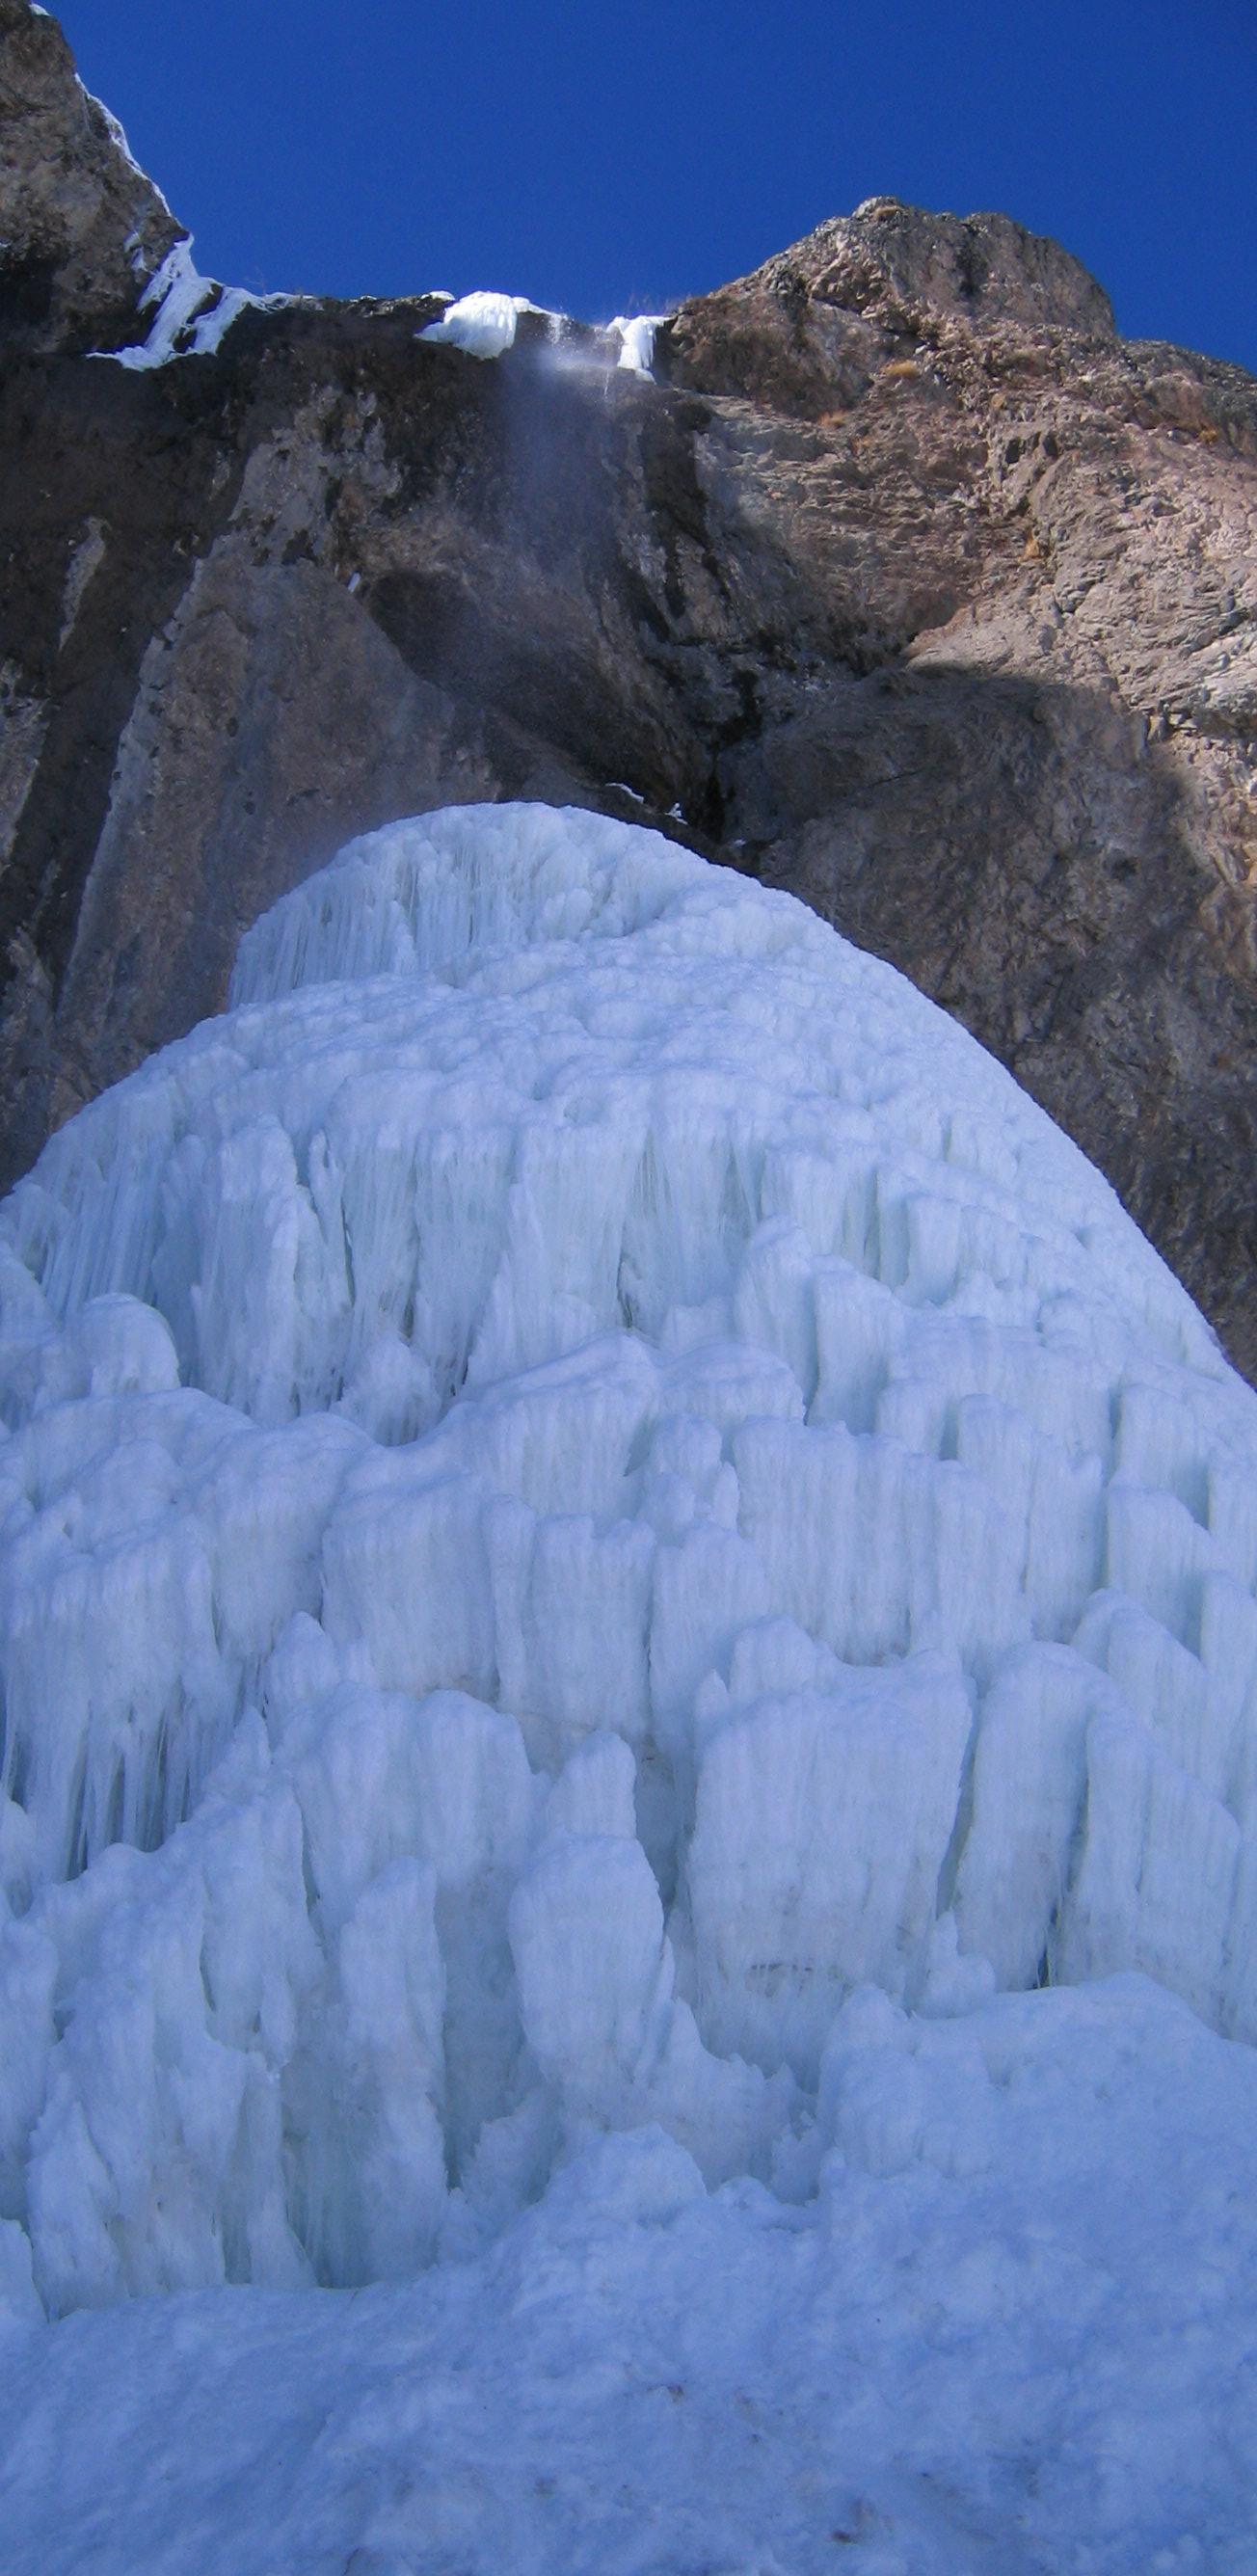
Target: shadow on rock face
x: 1024, y: 855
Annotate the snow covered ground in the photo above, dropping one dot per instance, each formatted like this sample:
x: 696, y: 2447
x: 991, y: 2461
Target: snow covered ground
x: 1017, y: 2331
x: 628, y: 1633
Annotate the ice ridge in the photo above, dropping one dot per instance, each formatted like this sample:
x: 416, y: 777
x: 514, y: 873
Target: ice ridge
x: 584, y: 1479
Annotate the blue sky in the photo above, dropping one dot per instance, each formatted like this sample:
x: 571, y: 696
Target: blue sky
x: 615, y: 159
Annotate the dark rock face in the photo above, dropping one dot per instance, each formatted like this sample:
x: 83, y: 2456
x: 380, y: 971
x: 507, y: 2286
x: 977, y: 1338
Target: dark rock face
x: 906, y: 584
x: 81, y: 229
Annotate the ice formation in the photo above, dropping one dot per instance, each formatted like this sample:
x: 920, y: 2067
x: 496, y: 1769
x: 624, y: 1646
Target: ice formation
x: 1011, y: 2334
x: 191, y: 313
x: 593, y: 1506
x: 482, y: 324
x: 637, y: 340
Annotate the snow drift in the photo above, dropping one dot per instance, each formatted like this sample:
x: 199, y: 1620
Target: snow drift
x: 586, y: 1481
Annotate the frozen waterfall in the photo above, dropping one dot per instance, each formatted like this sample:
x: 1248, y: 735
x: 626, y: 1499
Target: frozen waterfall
x: 585, y: 1480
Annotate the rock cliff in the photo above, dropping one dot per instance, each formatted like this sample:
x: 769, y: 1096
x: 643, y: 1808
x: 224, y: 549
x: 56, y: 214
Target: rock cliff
x: 902, y: 581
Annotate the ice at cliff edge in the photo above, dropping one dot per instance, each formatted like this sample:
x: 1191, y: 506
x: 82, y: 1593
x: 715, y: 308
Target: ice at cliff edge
x: 614, y: 1561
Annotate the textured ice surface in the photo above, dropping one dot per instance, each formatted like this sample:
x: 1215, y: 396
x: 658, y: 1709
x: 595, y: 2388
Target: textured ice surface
x: 585, y: 1480
x: 1010, y: 2334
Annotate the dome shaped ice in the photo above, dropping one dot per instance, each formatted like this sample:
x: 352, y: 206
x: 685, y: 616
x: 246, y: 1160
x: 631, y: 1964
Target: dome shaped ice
x: 585, y: 1480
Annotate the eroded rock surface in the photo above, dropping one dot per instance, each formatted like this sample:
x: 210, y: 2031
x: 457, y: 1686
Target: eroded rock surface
x: 905, y: 583
x: 81, y: 229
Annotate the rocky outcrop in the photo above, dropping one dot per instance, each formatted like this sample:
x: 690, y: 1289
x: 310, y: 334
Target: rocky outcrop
x: 81, y: 229
x: 905, y: 583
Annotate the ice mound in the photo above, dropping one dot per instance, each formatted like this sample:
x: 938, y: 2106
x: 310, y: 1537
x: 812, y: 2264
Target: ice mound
x: 585, y: 1482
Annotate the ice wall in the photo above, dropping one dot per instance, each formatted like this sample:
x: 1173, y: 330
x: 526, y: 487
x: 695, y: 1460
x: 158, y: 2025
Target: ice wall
x: 584, y: 1476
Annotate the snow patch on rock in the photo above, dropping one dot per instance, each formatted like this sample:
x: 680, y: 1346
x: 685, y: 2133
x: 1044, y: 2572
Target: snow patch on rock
x: 482, y: 324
